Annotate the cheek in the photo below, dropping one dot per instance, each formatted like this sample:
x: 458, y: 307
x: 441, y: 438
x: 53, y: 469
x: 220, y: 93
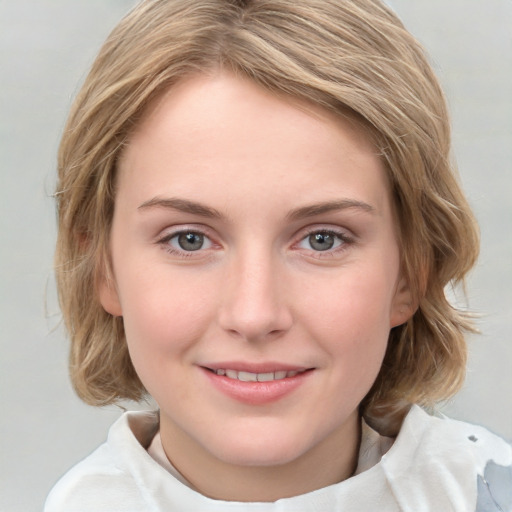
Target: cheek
x: 352, y: 302
x: 350, y: 317
x: 164, y: 314
x: 163, y: 322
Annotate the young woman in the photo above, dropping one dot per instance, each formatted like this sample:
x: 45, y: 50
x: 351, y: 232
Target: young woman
x: 257, y: 221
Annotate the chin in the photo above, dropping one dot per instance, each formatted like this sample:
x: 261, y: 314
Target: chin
x: 258, y: 456
x: 260, y: 448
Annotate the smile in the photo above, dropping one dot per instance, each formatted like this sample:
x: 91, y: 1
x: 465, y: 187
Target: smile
x: 256, y: 384
x: 256, y: 377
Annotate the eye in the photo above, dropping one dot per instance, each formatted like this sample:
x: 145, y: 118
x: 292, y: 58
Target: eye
x: 323, y: 240
x: 187, y: 241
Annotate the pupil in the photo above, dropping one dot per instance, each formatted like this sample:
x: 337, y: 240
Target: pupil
x: 321, y: 241
x: 190, y: 241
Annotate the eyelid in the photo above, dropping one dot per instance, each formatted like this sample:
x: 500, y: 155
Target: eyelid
x: 177, y: 229
x: 325, y: 228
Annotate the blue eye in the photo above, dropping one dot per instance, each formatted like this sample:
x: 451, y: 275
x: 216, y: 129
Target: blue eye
x: 189, y: 241
x: 322, y: 241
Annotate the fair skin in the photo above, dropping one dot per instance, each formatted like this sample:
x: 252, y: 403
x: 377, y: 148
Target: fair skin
x: 253, y: 238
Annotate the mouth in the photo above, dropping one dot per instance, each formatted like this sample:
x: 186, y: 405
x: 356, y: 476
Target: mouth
x: 245, y: 376
x: 256, y: 384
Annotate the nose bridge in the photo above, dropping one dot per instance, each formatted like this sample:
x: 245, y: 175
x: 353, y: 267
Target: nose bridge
x: 254, y: 302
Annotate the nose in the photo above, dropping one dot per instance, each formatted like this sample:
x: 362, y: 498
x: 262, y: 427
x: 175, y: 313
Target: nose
x: 254, y: 302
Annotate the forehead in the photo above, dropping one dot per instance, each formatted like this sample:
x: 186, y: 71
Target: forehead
x: 227, y: 131
x: 222, y: 98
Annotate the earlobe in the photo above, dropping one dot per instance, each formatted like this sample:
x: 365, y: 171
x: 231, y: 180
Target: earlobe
x: 404, y: 305
x: 108, y: 295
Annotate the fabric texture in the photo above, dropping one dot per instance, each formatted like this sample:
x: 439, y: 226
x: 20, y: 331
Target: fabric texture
x: 435, y: 464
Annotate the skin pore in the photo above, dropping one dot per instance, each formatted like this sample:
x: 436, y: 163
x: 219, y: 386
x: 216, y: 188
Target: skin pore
x: 254, y: 235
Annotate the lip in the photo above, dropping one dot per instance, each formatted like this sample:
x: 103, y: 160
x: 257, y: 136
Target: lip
x: 256, y: 393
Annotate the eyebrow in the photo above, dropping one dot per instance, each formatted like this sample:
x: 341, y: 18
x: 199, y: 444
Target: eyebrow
x: 181, y: 205
x: 186, y: 206
x: 330, y: 206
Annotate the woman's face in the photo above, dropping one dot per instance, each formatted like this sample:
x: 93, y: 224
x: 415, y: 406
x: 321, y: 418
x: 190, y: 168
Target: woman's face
x: 256, y: 268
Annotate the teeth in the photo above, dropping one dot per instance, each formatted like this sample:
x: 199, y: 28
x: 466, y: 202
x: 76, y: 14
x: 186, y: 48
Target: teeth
x: 232, y: 374
x: 257, y: 377
x: 265, y: 377
x: 247, y: 377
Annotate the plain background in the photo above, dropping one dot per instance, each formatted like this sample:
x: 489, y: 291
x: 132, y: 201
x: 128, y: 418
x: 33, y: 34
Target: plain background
x: 46, y: 46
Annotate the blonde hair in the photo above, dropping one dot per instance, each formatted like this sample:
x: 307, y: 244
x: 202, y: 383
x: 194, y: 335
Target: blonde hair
x: 345, y: 55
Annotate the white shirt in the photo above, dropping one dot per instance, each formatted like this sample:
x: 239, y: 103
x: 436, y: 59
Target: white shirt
x: 435, y: 464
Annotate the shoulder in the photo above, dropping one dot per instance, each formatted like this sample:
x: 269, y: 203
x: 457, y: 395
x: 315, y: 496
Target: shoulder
x: 445, y: 436
x: 105, y: 479
x: 96, y: 483
x: 456, y: 463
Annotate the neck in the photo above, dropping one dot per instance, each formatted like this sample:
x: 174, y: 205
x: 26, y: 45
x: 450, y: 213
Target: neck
x: 331, y: 461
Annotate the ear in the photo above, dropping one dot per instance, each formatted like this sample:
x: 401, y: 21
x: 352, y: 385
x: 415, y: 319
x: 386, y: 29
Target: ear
x: 108, y: 294
x: 404, y: 305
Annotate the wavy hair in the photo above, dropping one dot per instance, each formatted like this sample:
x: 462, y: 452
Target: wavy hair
x: 350, y: 56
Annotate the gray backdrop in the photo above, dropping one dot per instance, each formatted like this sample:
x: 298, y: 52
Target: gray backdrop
x: 45, y: 48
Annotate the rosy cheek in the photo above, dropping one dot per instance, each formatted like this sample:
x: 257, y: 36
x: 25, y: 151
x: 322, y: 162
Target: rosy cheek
x: 354, y: 310
x: 167, y: 318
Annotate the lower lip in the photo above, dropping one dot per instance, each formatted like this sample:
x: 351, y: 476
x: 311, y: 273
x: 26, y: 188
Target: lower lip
x: 256, y: 393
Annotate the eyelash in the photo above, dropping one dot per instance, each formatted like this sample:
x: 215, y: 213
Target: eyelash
x: 344, y: 241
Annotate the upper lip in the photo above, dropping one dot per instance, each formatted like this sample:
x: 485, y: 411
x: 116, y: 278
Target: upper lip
x: 264, y: 367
